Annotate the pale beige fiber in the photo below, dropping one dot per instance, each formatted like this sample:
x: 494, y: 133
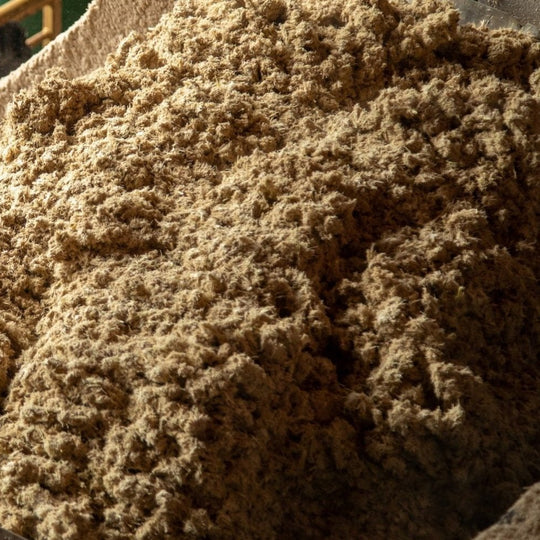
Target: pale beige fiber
x: 271, y: 272
x: 86, y: 44
x: 522, y: 521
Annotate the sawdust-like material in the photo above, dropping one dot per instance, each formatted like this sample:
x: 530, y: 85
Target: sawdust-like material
x: 271, y: 272
x: 521, y: 521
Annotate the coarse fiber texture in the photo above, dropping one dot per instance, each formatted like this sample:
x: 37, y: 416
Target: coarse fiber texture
x: 271, y: 272
x: 521, y: 521
x: 86, y: 44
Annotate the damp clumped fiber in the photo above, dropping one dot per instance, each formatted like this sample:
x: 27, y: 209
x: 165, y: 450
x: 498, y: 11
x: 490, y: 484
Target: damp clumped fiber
x: 271, y: 272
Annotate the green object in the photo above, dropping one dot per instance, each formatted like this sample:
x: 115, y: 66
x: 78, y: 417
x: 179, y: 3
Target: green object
x: 71, y: 12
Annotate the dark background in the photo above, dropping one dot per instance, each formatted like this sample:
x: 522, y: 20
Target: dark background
x: 71, y: 11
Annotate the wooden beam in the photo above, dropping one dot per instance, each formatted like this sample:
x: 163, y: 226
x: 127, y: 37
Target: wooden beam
x: 52, y: 19
x: 40, y: 37
x: 15, y: 10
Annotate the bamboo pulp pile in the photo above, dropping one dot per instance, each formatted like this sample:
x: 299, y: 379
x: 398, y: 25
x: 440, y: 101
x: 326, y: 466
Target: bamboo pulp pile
x: 270, y: 271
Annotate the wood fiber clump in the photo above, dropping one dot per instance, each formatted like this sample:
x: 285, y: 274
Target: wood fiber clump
x: 271, y: 272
